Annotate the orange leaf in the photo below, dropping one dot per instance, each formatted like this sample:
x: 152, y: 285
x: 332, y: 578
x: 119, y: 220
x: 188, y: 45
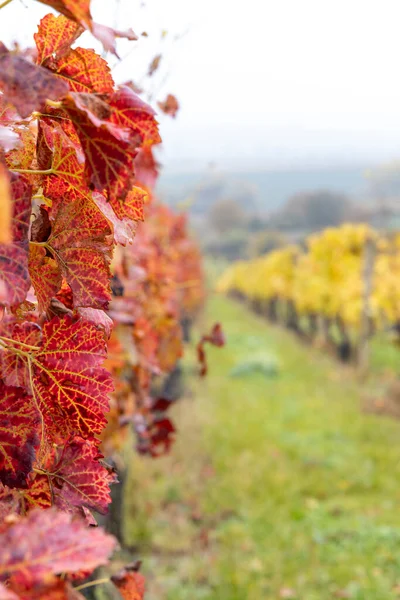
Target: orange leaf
x: 130, y: 583
x: 82, y: 69
x: 54, y: 37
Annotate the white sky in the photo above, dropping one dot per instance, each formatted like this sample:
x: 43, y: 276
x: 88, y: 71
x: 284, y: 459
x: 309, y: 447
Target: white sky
x: 262, y: 82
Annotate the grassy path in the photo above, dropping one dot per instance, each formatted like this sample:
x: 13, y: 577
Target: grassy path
x: 278, y: 487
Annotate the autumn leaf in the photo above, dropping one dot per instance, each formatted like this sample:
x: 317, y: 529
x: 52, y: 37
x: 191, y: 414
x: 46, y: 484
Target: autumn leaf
x: 62, y: 372
x: 123, y: 216
x: 169, y: 106
x: 49, y: 542
x: 82, y: 69
x: 14, y: 255
x: 54, y: 37
x: 79, y: 11
x: 78, y: 478
x: 25, y: 85
x: 130, y: 111
x: 130, y: 583
x: 81, y: 244
x: 19, y: 436
x: 60, y: 151
x: 109, y: 149
x: 75, y: 10
x: 5, y: 207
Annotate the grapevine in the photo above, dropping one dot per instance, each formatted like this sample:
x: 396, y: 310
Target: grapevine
x: 320, y: 290
x: 89, y: 321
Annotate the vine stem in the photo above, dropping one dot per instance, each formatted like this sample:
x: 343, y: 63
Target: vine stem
x: 3, y: 4
x: 92, y: 583
x: 33, y: 171
x: 6, y: 340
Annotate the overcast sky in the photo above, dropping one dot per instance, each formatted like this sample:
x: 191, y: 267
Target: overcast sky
x: 261, y: 82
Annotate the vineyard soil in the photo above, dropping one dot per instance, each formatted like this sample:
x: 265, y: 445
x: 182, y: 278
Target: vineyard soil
x: 279, y: 486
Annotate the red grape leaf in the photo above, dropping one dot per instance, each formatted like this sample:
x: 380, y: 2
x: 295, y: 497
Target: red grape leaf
x: 76, y: 10
x: 48, y: 542
x: 5, y: 207
x: 14, y: 369
x: 54, y: 37
x: 81, y: 243
x: 19, y: 428
x: 99, y: 318
x: 25, y: 85
x: 61, y: 151
x: 169, y: 106
x: 130, y: 583
x: 78, y: 478
x: 82, y: 69
x: 123, y: 216
x: 69, y: 386
x: 130, y: 111
x: 109, y: 149
x: 45, y: 275
x: 79, y: 11
x: 14, y: 256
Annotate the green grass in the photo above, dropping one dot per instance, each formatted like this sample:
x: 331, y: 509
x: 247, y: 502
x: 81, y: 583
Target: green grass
x: 277, y: 487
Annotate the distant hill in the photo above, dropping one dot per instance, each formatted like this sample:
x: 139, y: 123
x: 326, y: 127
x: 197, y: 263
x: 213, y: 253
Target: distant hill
x: 269, y: 189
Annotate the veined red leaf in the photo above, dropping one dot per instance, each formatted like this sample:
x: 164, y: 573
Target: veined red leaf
x: 123, y: 216
x: 65, y: 378
x: 76, y: 10
x: 81, y: 244
x: 25, y: 85
x: 14, y: 255
x: 79, y: 11
x: 49, y: 542
x: 109, y: 149
x: 82, y: 69
x: 45, y: 275
x: 54, y: 37
x: 19, y: 435
x: 60, y: 152
x: 78, y: 478
x: 130, y: 111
